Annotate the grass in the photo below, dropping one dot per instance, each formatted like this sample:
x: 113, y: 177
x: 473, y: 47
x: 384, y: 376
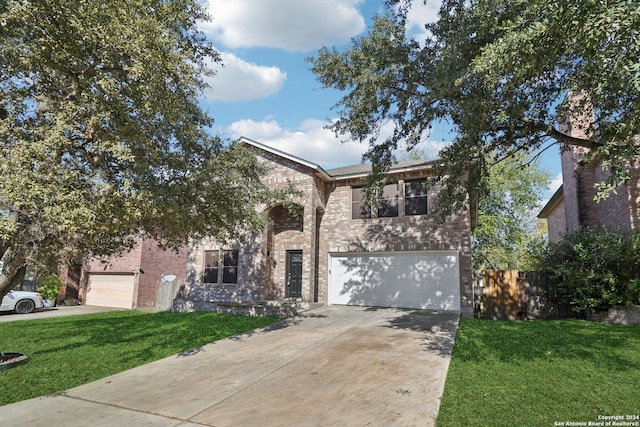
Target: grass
x: 539, y: 373
x: 65, y: 352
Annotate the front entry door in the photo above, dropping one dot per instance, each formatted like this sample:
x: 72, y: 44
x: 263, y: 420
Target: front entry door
x: 294, y: 274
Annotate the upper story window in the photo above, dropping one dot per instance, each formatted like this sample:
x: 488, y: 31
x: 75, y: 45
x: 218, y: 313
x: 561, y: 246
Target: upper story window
x: 415, y: 197
x: 388, y: 202
x: 359, y: 208
x: 220, y: 267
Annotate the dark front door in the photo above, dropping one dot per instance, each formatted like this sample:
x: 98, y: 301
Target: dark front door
x: 294, y: 274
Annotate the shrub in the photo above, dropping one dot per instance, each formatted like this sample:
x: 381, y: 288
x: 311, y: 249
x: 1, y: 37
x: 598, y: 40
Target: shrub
x: 595, y: 269
x: 50, y: 286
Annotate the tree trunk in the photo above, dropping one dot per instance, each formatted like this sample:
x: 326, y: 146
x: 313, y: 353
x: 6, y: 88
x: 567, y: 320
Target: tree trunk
x: 14, y: 267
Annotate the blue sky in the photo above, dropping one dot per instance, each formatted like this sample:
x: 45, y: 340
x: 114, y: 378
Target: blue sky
x: 265, y: 90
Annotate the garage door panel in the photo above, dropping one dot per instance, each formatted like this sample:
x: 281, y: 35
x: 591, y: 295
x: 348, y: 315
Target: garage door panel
x: 416, y: 280
x: 110, y: 290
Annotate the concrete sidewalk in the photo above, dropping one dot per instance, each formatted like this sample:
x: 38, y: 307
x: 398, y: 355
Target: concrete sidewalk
x: 58, y: 311
x: 334, y: 366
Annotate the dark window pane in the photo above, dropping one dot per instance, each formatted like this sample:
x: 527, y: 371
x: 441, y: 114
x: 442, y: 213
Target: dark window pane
x: 390, y: 191
x: 210, y: 259
x: 415, y: 206
x: 388, y: 203
x: 210, y: 275
x: 230, y: 269
x: 415, y: 197
x: 388, y: 208
x: 230, y: 258
x: 230, y: 275
x: 357, y: 194
x: 414, y: 188
x: 359, y: 209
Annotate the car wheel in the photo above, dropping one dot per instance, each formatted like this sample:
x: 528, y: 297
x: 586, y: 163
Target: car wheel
x: 25, y: 306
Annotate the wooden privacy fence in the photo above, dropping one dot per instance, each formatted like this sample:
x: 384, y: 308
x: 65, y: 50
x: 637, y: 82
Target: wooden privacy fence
x: 513, y: 294
x: 165, y: 294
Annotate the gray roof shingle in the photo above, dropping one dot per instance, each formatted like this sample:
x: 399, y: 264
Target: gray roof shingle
x: 366, y: 168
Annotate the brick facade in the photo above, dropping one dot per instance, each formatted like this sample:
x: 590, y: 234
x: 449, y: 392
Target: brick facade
x: 321, y: 225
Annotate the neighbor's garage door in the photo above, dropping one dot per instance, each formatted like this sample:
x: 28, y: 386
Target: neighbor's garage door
x: 428, y: 280
x: 110, y: 290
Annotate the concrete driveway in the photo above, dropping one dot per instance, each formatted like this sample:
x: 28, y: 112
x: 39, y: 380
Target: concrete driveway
x: 333, y: 366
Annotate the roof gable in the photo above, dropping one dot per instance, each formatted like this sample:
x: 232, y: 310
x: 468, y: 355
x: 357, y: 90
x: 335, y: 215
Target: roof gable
x: 249, y: 142
x: 345, y: 172
x: 557, y: 197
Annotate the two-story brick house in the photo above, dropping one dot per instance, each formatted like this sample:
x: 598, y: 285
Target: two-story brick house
x: 334, y: 249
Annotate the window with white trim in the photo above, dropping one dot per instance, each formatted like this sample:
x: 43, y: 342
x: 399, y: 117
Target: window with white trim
x: 220, y: 267
x: 415, y: 197
x: 388, y: 201
x: 359, y: 207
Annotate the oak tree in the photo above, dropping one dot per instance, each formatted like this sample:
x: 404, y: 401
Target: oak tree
x: 498, y: 72
x: 102, y: 136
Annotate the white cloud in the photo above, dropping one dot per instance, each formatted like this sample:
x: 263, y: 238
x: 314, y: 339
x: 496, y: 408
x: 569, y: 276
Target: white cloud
x: 555, y: 183
x: 312, y: 142
x: 309, y: 142
x: 285, y: 24
x: 239, y: 80
x: 421, y: 14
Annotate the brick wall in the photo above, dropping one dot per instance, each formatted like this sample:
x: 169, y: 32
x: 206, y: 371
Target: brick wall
x: 116, y: 264
x: 247, y: 287
x: 124, y: 263
x: 557, y: 223
x: 613, y: 212
x: 156, y: 262
x: 633, y: 190
x: 288, y: 233
x: 569, y: 161
x: 620, y: 211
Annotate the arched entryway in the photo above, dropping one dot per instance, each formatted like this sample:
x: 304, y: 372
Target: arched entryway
x: 283, y: 271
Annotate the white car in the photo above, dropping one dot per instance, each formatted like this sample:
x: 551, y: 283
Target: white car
x: 22, y: 302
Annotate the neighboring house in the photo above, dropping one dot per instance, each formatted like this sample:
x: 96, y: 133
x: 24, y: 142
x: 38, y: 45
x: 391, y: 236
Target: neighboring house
x: 333, y: 249
x: 68, y: 293
x: 573, y: 205
x: 130, y: 281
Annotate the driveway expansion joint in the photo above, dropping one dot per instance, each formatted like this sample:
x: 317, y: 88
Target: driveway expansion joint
x: 112, y: 405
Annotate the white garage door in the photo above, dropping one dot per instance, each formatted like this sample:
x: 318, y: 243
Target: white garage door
x: 110, y: 290
x: 426, y: 280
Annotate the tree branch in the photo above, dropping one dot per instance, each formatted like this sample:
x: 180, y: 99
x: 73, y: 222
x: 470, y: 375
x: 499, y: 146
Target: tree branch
x: 561, y: 137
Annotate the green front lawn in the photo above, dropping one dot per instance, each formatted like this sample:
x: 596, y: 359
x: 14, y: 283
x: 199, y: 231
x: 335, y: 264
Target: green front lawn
x: 65, y: 352
x: 540, y: 373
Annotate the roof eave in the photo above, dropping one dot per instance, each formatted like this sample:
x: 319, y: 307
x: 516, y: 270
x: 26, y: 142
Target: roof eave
x: 320, y: 172
x: 557, y: 197
x: 416, y: 168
